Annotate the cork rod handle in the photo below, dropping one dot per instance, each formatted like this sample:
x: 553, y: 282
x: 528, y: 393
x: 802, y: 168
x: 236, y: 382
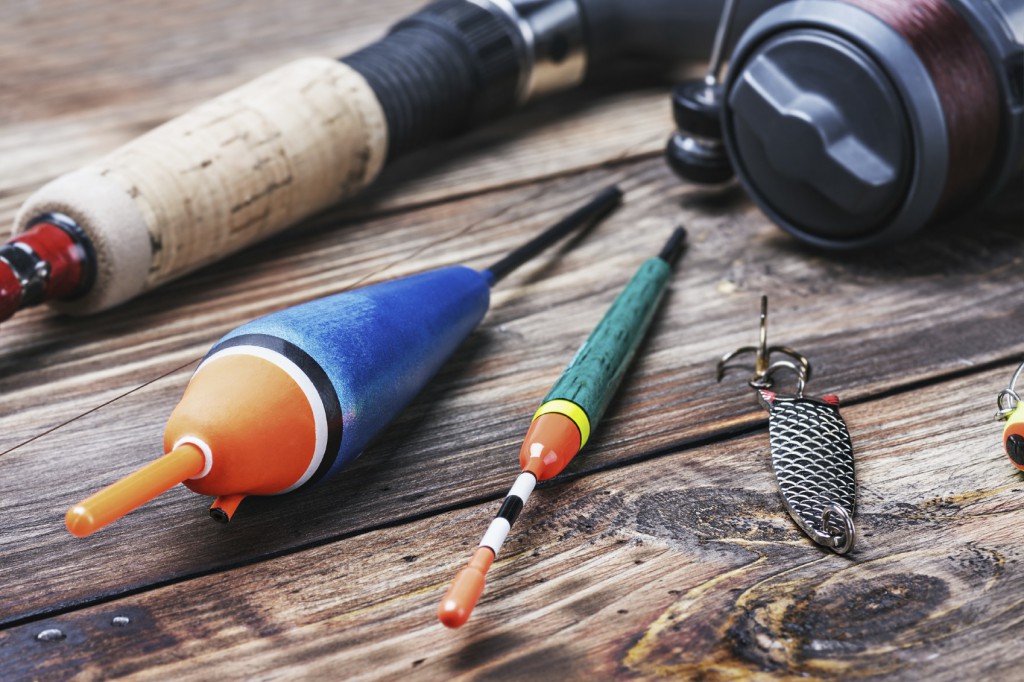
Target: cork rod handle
x: 224, y: 175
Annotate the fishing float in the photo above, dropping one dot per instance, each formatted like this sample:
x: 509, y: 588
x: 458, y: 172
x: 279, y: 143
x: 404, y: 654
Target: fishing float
x: 290, y: 399
x: 568, y: 415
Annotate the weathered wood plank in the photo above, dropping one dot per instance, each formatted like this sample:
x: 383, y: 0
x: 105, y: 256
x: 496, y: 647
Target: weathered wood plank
x: 344, y: 579
x: 63, y: 56
x: 868, y: 322
x: 685, y: 565
x: 82, y: 78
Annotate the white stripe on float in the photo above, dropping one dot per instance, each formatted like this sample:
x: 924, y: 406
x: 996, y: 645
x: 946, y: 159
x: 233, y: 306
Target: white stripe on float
x: 203, y: 447
x: 316, y: 404
x: 523, y: 486
x: 496, y: 534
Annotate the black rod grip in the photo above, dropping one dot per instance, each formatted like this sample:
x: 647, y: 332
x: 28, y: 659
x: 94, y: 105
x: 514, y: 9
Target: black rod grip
x: 442, y: 70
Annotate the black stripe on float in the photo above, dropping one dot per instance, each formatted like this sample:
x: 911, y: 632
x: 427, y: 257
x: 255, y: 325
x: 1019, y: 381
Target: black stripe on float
x: 510, y: 509
x: 312, y: 369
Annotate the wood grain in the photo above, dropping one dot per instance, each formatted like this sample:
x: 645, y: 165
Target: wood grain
x: 683, y: 565
x: 471, y: 419
x: 343, y: 580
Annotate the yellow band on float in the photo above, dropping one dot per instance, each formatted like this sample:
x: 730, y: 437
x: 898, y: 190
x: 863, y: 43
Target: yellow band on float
x: 570, y: 410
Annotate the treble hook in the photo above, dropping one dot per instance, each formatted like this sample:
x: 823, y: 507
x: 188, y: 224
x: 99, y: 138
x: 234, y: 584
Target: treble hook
x: 764, y: 367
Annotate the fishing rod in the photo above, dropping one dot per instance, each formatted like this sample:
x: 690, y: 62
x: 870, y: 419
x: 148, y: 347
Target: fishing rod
x: 291, y: 398
x: 568, y: 415
x: 250, y: 163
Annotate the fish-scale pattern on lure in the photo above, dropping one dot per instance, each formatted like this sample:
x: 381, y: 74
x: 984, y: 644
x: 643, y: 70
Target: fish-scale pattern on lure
x: 812, y: 454
x: 812, y: 457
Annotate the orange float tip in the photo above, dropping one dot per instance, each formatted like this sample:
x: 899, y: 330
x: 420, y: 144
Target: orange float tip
x: 134, y: 490
x: 465, y: 590
x: 224, y: 507
x: 550, y: 444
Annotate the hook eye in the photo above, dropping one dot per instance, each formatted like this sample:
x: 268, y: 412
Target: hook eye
x: 799, y: 358
x: 1008, y: 399
x: 767, y: 379
x: 838, y: 528
x: 1006, y: 403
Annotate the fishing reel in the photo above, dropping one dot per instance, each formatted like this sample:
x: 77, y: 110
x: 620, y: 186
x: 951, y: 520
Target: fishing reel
x: 857, y: 123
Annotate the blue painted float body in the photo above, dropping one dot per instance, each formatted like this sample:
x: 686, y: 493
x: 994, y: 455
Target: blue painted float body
x: 381, y: 344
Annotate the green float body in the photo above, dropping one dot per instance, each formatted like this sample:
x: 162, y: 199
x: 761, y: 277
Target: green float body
x: 593, y: 376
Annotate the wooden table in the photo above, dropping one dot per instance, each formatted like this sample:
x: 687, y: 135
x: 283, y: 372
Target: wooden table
x: 664, y: 551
